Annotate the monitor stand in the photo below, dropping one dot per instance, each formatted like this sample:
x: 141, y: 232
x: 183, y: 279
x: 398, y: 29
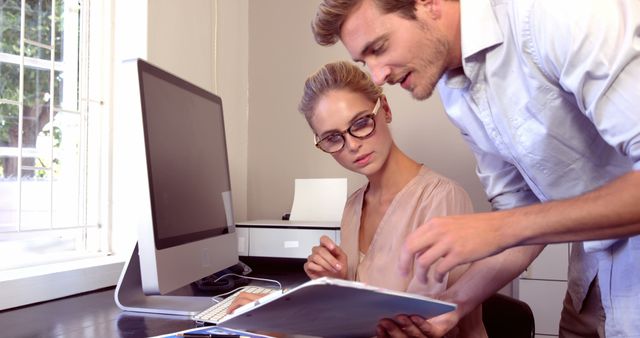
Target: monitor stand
x: 129, y: 295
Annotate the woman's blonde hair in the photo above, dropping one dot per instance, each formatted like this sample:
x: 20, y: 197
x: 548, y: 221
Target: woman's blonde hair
x: 334, y: 76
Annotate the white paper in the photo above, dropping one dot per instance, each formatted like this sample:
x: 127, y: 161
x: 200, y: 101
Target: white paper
x: 319, y: 199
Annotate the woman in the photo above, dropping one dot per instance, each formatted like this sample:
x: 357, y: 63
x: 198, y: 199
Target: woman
x: 349, y: 116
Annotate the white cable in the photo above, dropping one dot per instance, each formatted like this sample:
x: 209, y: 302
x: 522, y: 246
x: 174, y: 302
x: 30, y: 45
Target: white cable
x: 227, y: 293
x: 254, y: 278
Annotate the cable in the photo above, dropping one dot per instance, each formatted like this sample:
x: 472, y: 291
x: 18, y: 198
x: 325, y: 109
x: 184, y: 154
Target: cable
x: 254, y: 278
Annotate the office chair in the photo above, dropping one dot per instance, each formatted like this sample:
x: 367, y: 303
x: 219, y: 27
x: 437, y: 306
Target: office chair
x: 507, y: 317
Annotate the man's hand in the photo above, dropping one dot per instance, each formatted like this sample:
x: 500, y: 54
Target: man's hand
x: 326, y: 260
x: 451, y: 241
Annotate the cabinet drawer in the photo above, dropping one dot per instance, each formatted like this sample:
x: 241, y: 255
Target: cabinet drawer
x: 286, y: 243
x: 551, y: 264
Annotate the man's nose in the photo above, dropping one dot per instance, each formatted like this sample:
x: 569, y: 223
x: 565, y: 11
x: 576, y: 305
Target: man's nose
x: 379, y: 73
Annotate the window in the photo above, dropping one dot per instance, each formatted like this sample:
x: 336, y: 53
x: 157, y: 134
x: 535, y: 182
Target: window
x: 50, y: 134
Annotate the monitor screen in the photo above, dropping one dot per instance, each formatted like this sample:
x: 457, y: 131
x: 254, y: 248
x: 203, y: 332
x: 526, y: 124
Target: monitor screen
x: 186, y: 158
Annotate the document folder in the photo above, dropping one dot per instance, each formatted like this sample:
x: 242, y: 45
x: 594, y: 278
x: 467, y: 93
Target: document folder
x: 328, y: 307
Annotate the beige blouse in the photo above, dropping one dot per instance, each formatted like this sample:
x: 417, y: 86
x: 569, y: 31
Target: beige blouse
x: 427, y: 195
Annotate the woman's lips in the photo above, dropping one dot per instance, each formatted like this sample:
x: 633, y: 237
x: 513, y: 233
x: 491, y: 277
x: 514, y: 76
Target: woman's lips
x: 363, y: 160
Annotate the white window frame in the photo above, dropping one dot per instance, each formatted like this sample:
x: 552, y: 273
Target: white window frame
x: 55, y: 280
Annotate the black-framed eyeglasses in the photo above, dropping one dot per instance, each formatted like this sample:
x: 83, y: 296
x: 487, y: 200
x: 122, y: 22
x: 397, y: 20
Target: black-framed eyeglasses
x: 360, y: 129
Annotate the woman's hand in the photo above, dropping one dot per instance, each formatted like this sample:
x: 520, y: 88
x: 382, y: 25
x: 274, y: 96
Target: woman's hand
x: 415, y: 326
x: 326, y: 260
x: 244, y: 298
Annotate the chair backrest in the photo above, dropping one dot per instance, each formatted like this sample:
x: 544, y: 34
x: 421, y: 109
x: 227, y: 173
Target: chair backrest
x: 507, y: 317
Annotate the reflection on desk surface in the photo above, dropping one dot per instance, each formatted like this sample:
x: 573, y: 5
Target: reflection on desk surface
x: 95, y: 314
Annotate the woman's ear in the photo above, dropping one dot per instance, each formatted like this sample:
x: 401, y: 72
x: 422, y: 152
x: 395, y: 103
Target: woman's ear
x: 386, y: 109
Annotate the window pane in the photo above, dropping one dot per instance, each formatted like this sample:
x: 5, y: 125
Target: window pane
x: 66, y: 90
x: 67, y: 30
x: 8, y: 141
x: 66, y: 170
x: 9, y: 81
x: 36, y: 119
x: 35, y: 201
x: 8, y: 167
x: 93, y: 160
x: 38, y: 27
x: 10, y: 27
x: 66, y: 203
x: 36, y: 87
x: 8, y: 202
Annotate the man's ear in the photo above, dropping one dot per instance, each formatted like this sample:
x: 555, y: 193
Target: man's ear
x: 431, y: 7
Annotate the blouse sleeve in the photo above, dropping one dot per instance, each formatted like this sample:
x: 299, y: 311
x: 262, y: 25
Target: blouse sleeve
x: 446, y: 198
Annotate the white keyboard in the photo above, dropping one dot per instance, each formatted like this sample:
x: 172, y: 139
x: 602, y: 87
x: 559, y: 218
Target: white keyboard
x: 218, y: 310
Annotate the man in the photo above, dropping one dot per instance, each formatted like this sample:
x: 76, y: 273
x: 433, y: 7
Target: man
x: 546, y: 94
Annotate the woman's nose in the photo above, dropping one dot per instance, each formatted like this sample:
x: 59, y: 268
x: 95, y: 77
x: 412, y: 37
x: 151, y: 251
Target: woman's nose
x: 351, y: 142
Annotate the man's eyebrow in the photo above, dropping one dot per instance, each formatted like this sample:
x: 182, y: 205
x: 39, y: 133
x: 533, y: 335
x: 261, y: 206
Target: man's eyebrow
x: 366, y: 50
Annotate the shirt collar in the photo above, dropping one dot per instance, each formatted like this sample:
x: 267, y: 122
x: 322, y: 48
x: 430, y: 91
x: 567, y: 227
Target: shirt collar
x: 479, y: 28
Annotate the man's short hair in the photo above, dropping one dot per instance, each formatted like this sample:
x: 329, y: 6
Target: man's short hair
x: 331, y: 14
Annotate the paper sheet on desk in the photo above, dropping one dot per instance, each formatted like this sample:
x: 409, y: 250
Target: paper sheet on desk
x: 319, y: 199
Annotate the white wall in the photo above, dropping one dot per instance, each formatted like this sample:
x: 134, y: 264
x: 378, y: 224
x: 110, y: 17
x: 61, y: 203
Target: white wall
x: 232, y: 81
x: 256, y: 56
x: 202, y: 41
x: 129, y: 42
x: 206, y: 42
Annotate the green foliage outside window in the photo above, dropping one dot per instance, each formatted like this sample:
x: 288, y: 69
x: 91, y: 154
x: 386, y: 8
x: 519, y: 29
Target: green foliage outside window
x: 36, y: 81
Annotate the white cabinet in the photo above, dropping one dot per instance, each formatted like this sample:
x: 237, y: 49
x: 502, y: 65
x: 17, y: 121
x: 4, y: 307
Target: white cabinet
x: 283, y: 239
x: 543, y: 286
x: 286, y: 243
x: 545, y: 299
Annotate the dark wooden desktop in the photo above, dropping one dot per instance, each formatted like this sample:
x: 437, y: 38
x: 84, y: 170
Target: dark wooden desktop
x: 95, y: 314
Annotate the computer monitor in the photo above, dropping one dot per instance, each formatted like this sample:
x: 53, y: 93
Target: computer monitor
x: 190, y: 233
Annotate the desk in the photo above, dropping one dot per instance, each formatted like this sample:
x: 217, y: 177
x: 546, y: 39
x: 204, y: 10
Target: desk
x: 92, y: 314
x: 95, y: 314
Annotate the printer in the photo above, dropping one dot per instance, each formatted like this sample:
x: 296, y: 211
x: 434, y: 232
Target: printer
x: 316, y: 211
x: 283, y: 238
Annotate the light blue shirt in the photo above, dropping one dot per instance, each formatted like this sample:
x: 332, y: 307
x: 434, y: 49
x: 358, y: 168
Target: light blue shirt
x: 549, y: 102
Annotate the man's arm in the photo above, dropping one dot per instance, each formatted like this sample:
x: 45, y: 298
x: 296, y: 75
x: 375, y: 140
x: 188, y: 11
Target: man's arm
x: 481, y: 280
x: 485, y: 277
x: 612, y: 211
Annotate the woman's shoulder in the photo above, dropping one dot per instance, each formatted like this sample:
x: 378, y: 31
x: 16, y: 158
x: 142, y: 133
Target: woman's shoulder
x: 432, y: 184
x: 357, y: 195
x: 428, y: 178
